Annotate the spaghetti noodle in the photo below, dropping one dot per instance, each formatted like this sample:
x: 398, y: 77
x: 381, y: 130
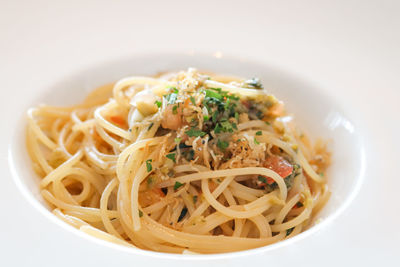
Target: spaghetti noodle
x: 182, y: 162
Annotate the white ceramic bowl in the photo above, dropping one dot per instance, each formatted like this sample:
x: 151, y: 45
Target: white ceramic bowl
x: 314, y: 112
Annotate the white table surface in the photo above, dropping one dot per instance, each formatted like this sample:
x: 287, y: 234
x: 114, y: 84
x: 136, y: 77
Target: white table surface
x: 348, y: 46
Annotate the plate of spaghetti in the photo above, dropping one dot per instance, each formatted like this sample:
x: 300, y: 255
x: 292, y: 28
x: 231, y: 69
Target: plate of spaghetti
x: 185, y: 161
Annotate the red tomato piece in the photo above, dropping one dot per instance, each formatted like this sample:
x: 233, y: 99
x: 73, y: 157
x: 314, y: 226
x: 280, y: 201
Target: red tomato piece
x: 118, y: 120
x: 278, y: 165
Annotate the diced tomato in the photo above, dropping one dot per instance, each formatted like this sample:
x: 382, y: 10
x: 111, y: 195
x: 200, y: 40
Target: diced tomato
x: 278, y: 165
x: 118, y: 120
x: 158, y: 191
x: 151, y: 196
x: 270, y: 180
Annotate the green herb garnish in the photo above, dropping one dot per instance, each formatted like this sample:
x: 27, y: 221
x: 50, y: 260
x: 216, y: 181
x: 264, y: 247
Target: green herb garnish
x: 237, y: 116
x: 193, y: 100
x: 213, y: 94
x: 289, y: 231
x: 194, y: 199
x: 183, y: 214
x: 217, y: 128
x: 233, y: 97
x: 140, y: 213
x: 171, y: 156
x: 151, y: 125
x: 222, y: 144
x: 262, y: 179
x: 227, y: 126
x: 177, y: 140
x: 148, y: 165
x: 259, y: 133
x: 256, y: 142
x: 222, y: 106
x: 215, y: 116
x: 193, y: 132
x: 175, y: 110
x: 172, y: 97
x: 177, y: 185
x: 158, y: 103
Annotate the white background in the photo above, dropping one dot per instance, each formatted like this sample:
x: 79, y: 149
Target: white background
x: 349, y: 47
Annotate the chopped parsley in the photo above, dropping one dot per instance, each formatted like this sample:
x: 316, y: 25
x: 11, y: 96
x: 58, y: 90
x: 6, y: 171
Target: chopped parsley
x: 222, y: 106
x: 193, y: 100
x: 222, y: 144
x: 194, y: 132
x: 227, y: 126
x: 171, y: 156
x: 177, y: 140
x: 256, y: 142
x: 172, y: 97
x: 195, y: 199
x: 140, y: 213
x: 262, y: 179
x: 259, y: 114
x: 214, y: 94
x: 289, y: 231
x: 217, y: 128
x: 215, y: 116
x: 151, y: 125
x: 158, y: 103
x: 183, y: 214
x: 177, y: 185
x: 148, y: 165
x: 259, y: 133
x: 236, y: 116
x: 175, y: 110
x: 299, y: 204
x: 296, y: 170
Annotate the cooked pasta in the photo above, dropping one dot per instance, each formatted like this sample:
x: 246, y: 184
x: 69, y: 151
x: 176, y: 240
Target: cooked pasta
x: 183, y: 162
